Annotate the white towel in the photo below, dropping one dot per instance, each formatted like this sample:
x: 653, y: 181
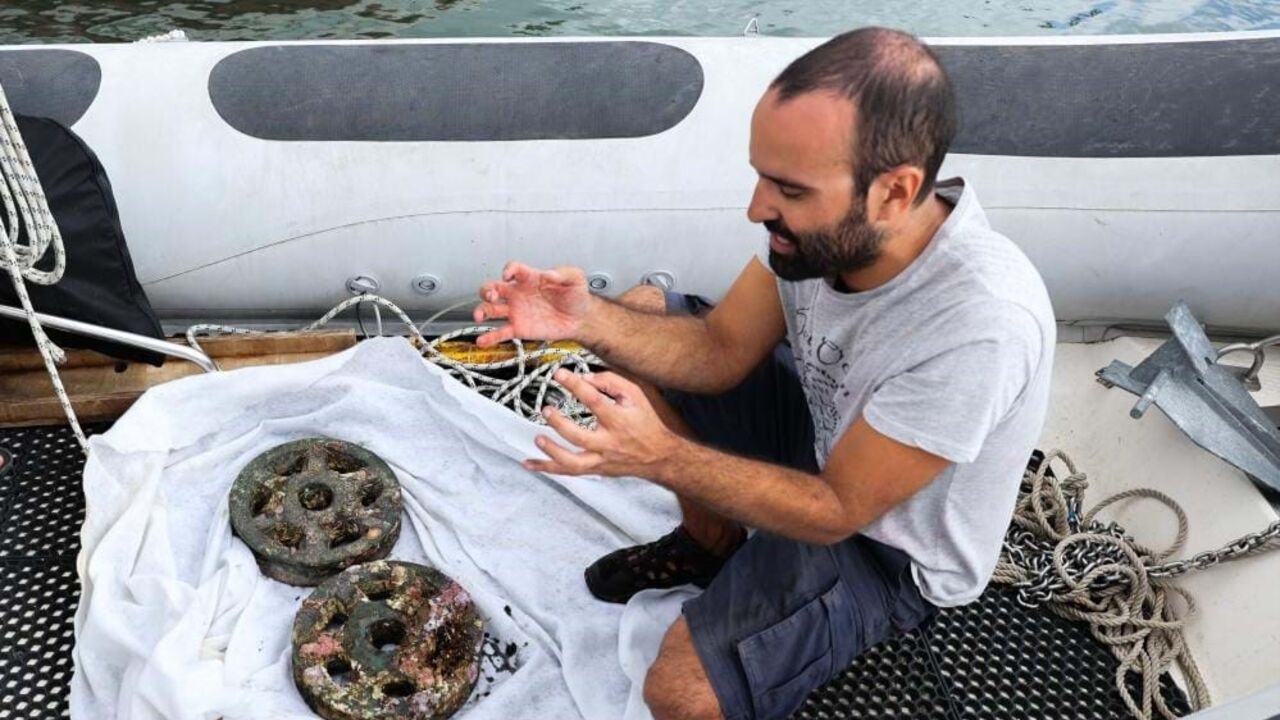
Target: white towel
x: 175, y: 620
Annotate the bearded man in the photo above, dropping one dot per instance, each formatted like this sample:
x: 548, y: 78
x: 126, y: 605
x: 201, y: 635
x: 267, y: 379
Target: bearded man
x: 863, y: 399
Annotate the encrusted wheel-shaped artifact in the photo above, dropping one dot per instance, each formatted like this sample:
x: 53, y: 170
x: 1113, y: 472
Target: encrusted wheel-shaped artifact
x: 387, y: 640
x: 309, y: 508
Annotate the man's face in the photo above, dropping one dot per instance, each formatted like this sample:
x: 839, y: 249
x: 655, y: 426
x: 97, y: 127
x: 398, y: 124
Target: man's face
x: 805, y: 196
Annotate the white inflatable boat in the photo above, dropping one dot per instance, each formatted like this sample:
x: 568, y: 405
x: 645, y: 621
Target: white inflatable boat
x: 257, y: 179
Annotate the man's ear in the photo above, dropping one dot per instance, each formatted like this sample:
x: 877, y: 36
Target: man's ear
x: 893, y: 194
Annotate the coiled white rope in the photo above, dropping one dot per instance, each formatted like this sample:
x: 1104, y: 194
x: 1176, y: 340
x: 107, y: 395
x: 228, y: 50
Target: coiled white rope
x: 28, y: 234
x: 1058, y: 554
x: 524, y: 383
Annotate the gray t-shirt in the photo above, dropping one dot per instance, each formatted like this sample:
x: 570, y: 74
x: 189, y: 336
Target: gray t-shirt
x: 952, y: 356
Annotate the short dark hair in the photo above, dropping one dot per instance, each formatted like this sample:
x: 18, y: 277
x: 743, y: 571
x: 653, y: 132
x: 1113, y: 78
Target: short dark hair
x: 906, y: 110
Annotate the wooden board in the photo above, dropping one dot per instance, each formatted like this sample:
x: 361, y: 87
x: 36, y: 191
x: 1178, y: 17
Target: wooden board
x: 103, y: 388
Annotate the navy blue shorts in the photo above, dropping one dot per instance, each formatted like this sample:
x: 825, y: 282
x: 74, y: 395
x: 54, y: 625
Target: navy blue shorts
x: 783, y: 617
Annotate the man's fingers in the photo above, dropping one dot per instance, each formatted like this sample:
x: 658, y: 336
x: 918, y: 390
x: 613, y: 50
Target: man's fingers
x: 564, y: 275
x: 614, y: 385
x: 496, y: 336
x: 494, y: 301
x: 550, y: 467
x: 518, y: 272
x: 576, y: 463
x: 584, y: 391
x: 491, y: 311
x: 545, y: 466
x: 494, y: 291
x: 569, y: 430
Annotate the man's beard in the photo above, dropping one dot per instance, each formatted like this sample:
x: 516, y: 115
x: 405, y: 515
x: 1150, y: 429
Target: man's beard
x: 853, y: 244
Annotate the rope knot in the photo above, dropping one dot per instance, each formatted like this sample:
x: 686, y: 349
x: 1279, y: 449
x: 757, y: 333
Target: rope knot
x: 1057, y: 554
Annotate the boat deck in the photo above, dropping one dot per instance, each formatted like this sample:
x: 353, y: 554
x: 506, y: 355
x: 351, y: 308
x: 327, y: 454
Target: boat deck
x: 993, y: 659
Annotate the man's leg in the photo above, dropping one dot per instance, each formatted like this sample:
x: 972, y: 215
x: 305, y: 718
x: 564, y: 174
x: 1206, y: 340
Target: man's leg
x: 784, y: 617
x: 677, y: 686
x: 714, y: 532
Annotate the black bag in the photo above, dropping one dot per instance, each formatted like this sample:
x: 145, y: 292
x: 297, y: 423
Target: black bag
x: 99, y: 285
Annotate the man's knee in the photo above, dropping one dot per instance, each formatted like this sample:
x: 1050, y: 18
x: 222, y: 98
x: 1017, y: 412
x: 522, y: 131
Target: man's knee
x: 671, y: 697
x: 676, y: 687
x: 645, y: 298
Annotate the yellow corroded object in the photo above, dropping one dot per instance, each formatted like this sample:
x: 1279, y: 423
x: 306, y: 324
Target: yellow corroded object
x: 469, y: 352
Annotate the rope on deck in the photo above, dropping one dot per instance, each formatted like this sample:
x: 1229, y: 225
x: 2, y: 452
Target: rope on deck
x: 1086, y: 570
x: 27, y: 235
x: 523, y: 382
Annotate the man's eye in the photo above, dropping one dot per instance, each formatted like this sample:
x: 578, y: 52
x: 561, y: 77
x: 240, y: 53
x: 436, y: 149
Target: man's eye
x: 790, y: 192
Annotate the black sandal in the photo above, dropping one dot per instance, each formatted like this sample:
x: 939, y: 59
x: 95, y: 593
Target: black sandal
x: 672, y: 560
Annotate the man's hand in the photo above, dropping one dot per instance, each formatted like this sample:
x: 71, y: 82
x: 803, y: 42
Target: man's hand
x: 538, y: 304
x: 629, y: 438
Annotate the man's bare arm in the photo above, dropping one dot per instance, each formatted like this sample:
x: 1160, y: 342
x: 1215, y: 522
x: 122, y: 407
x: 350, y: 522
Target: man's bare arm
x: 866, y: 475
x: 705, y: 355
x: 697, y: 355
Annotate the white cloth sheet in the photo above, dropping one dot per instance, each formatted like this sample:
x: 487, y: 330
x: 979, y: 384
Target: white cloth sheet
x: 176, y: 622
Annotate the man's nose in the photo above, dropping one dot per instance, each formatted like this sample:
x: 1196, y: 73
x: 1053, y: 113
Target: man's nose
x: 761, y: 209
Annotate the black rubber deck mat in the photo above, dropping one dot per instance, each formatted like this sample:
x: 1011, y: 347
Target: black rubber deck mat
x: 992, y: 659
x: 41, y: 510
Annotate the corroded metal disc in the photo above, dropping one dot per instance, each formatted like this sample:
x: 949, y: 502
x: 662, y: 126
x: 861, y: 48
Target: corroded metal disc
x: 309, y: 508
x: 387, y: 640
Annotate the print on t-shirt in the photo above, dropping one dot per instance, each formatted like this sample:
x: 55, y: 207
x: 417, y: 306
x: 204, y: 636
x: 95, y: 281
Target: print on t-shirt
x: 822, y: 369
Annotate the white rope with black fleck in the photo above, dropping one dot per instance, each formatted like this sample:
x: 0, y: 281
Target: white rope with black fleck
x: 524, y: 383
x: 28, y: 234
